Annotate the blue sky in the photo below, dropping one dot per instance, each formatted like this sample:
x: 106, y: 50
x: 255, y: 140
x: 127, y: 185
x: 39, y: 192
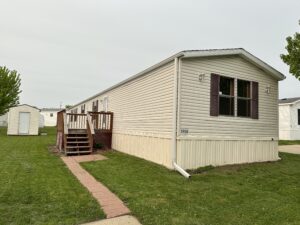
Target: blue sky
x: 68, y: 50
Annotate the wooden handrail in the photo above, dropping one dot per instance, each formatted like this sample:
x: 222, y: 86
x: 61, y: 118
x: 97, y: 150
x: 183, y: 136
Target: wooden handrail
x: 76, y: 114
x: 102, y: 120
x: 90, y: 124
x: 76, y: 120
x: 66, y: 130
x: 101, y: 112
x: 90, y: 130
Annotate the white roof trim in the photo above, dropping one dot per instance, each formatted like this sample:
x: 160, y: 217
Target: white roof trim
x: 25, y: 105
x: 236, y: 51
x: 198, y: 53
x: 290, y: 103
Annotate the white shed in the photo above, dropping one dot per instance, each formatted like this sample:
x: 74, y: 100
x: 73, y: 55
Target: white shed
x: 23, y: 120
x: 289, y: 118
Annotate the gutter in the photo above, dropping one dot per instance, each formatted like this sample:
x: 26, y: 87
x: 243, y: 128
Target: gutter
x: 174, y: 134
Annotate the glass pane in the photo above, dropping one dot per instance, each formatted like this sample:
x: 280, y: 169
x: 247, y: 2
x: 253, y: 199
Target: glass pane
x: 243, y: 88
x: 226, y: 106
x: 243, y: 108
x: 226, y: 86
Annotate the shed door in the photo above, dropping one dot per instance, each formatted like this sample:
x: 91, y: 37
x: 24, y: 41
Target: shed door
x: 24, y: 122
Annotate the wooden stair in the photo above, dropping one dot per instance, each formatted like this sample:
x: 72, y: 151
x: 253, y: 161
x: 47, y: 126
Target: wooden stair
x: 77, y: 142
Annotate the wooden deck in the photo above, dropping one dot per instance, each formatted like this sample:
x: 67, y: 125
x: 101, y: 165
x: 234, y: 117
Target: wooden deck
x: 80, y: 133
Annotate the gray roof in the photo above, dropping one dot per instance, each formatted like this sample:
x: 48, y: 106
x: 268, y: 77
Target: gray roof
x: 27, y: 105
x: 288, y: 100
x: 51, y: 109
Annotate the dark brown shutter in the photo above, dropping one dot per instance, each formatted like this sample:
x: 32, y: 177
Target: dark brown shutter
x: 254, y: 101
x: 214, y: 94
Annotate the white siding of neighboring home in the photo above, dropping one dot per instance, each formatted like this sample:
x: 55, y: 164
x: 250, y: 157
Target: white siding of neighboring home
x: 224, y: 140
x: 13, y: 119
x: 295, y: 127
x: 284, y: 122
x: 289, y: 129
x: 48, y: 120
x: 142, y: 115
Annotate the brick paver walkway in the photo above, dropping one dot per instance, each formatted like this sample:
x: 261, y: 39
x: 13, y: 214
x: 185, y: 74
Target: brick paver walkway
x: 121, y: 220
x: 109, y: 202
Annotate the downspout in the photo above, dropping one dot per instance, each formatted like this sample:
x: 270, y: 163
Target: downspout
x: 174, y: 122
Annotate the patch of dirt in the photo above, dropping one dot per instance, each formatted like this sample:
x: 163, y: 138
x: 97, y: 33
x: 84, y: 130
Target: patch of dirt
x: 54, y: 150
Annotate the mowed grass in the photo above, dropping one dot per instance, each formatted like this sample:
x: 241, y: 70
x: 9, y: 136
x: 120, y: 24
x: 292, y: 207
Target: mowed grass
x: 288, y: 142
x: 37, y: 188
x: 261, y: 193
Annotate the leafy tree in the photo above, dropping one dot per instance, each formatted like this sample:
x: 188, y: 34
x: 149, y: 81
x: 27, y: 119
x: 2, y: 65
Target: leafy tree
x: 292, y: 58
x: 9, y: 89
x: 68, y: 106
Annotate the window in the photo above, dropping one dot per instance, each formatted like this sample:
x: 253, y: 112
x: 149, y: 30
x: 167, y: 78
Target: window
x: 95, y: 106
x: 83, y: 109
x: 51, y: 114
x: 226, y: 96
x: 243, y: 98
x: 298, y: 116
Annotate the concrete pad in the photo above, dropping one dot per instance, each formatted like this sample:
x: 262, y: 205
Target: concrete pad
x: 294, y: 149
x: 88, y: 158
x: 121, y: 220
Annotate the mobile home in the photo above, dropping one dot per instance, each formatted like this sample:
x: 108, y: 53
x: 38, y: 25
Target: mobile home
x: 289, y: 118
x: 195, y: 108
x: 49, y: 116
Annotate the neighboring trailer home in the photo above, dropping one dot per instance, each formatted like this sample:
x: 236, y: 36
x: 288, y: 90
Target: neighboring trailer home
x: 3, y: 120
x: 289, y: 119
x: 49, y: 116
x: 196, y: 108
x: 23, y: 120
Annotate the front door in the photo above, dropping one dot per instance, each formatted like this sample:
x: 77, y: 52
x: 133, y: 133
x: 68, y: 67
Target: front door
x: 24, y: 122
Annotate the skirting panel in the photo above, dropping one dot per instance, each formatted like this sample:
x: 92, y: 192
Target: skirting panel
x: 194, y: 153
x: 154, y: 149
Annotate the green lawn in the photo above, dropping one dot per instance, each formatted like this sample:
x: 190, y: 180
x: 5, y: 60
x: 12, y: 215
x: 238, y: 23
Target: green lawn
x: 37, y: 188
x: 287, y: 142
x: 262, y: 193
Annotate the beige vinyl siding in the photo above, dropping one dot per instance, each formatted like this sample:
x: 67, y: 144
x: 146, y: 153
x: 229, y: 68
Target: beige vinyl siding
x: 194, y: 153
x: 224, y: 140
x: 194, y: 108
x: 142, y: 114
x: 155, y: 149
